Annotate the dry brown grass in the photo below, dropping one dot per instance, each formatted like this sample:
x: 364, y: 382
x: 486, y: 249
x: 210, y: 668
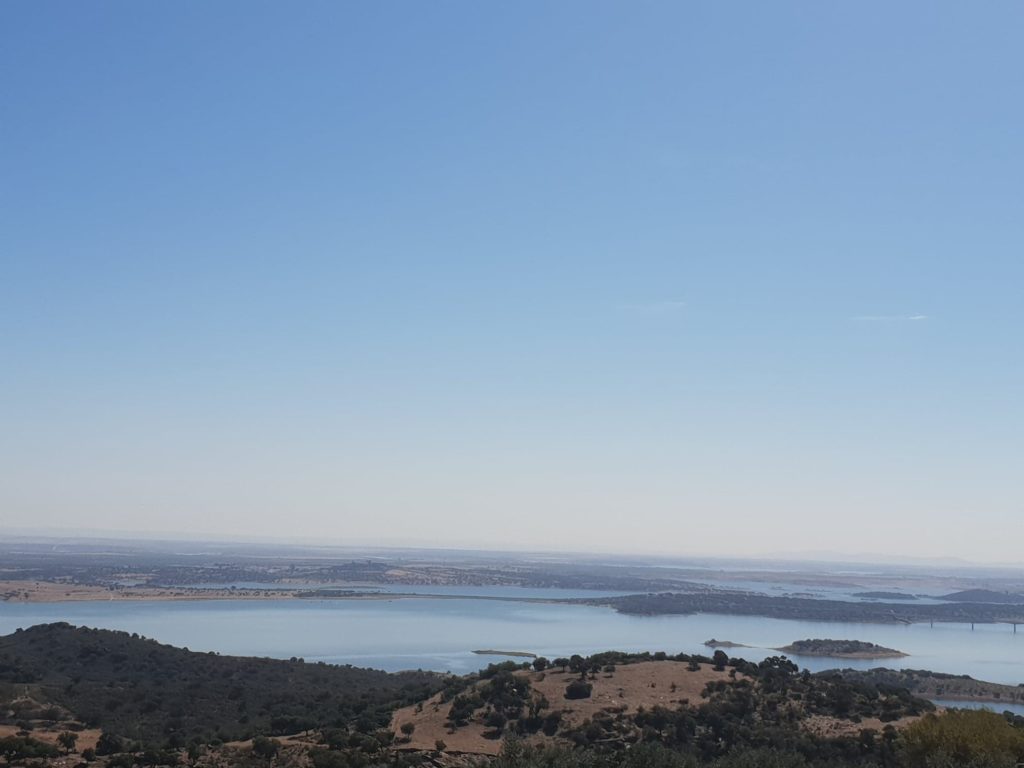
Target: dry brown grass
x: 629, y: 687
x: 86, y: 738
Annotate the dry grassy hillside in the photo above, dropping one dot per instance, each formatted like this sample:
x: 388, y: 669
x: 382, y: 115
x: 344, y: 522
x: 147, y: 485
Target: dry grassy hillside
x: 624, y: 690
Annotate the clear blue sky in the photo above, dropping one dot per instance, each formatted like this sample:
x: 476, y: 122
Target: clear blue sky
x: 658, y: 276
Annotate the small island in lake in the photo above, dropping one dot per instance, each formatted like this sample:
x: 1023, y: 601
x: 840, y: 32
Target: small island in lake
x: 841, y: 649
x: 712, y: 643
x: 492, y: 652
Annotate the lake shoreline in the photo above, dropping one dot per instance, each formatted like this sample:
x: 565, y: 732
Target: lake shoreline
x: 652, y: 605
x: 50, y: 592
x: 438, y: 632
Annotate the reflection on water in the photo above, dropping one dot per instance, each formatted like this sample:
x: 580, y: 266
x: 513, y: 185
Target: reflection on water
x: 442, y: 633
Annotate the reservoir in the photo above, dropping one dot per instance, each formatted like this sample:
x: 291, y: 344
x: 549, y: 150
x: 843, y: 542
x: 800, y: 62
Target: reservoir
x: 394, y: 633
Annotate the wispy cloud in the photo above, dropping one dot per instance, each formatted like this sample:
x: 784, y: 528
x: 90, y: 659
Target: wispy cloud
x: 912, y: 318
x: 664, y: 308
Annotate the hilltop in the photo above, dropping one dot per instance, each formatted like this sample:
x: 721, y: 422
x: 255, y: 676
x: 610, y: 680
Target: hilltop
x: 141, y: 689
x: 525, y: 700
x: 690, y: 703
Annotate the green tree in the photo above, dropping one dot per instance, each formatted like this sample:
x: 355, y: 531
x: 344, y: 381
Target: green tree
x: 108, y: 744
x: 194, y: 752
x: 963, y: 739
x: 265, y: 747
x: 67, y: 740
x: 14, y: 748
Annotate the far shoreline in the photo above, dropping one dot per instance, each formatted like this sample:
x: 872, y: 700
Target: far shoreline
x: 39, y: 592
x: 28, y: 592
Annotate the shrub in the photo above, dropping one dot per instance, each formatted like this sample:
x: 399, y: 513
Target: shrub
x: 265, y: 747
x: 963, y: 737
x: 108, y: 744
x: 578, y: 689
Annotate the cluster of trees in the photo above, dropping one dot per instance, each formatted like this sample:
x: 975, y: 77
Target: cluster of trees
x: 507, y: 699
x: 936, y: 684
x: 825, y: 647
x: 956, y: 739
x: 978, y: 739
x: 576, y: 664
x: 17, y: 748
x: 520, y: 755
x: 758, y: 706
x: 167, y: 697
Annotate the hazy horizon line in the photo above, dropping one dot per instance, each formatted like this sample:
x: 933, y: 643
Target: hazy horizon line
x: 798, y: 556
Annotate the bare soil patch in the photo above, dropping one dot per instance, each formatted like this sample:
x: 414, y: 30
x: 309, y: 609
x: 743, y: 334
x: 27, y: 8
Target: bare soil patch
x: 86, y: 738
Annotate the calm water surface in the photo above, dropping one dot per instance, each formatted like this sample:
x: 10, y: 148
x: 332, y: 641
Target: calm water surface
x: 441, y: 634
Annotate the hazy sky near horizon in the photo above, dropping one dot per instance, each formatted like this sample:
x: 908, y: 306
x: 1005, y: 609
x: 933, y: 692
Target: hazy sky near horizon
x: 680, y: 277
